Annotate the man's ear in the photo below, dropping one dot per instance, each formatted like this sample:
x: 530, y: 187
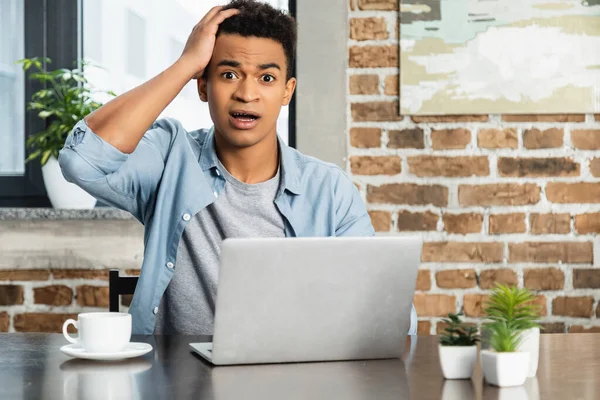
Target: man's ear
x: 202, y: 89
x: 290, y: 86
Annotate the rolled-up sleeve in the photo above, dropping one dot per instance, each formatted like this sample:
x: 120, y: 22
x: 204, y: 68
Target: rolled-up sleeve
x: 125, y: 181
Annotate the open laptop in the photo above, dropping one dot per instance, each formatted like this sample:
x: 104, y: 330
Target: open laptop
x: 312, y: 299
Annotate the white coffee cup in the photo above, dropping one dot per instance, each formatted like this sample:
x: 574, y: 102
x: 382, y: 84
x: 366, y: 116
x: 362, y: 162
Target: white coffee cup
x: 101, y: 332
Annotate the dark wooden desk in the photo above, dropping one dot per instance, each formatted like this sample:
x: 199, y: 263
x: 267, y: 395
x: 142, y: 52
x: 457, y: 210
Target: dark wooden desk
x: 32, y: 367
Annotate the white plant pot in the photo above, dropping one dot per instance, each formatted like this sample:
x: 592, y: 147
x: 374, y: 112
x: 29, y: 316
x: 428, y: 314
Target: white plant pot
x: 457, y: 362
x: 505, y: 369
x: 62, y: 194
x: 530, y: 343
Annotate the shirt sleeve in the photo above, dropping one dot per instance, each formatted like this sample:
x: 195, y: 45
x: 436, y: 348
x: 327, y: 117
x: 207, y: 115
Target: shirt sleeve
x: 351, y: 213
x: 122, y: 180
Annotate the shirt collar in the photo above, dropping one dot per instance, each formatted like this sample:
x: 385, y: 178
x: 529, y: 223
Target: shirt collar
x: 289, y: 168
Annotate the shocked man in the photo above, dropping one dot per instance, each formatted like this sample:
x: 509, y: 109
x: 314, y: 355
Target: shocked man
x: 192, y: 190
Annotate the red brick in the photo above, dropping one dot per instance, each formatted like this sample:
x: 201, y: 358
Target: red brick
x: 456, y: 279
x: 444, y: 139
x: 408, y: 193
x: 390, y: 85
x: 578, y: 307
x: 423, y: 328
x: 4, y: 321
x: 375, y: 111
x: 382, y: 220
x: 595, y: 167
x: 54, y: 295
x: 449, y: 166
x: 546, y: 139
x: 550, y: 223
x: 92, y: 296
x: 368, y: 29
x: 409, y: 221
x: 418, y: 119
x: 507, y: 223
x: 586, y: 139
x: 580, y: 192
x: 587, y: 223
x: 498, y: 138
x: 374, y: 56
x: 553, y: 327
x: 463, y: 223
x: 375, y: 165
x: 365, y: 137
x: 24, y: 275
x: 586, y: 278
x: 503, y: 276
x: 544, y: 279
x: 582, y: 329
x: 42, y: 322
x: 11, y: 295
x: 537, y: 167
x: 551, y: 252
x: 499, y: 194
x: 434, y: 305
x: 100, y: 274
x: 411, y: 138
x: 474, y: 304
x: 477, y: 252
x: 423, y: 280
x: 364, y: 84
x: 544, y: 118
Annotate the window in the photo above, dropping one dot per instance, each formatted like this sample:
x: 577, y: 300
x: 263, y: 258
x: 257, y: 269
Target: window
x: 71, y: 29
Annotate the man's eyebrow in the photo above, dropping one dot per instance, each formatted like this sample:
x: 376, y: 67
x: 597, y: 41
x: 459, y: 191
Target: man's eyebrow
x: 229, y: 63
x: 269, y: 65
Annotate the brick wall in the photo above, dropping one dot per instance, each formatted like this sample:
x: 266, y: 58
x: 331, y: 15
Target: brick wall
x: 497, y: 198
x: 52, y: 270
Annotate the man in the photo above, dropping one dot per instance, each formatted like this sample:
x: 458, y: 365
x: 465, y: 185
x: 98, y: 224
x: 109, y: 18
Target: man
x: 192, y: 190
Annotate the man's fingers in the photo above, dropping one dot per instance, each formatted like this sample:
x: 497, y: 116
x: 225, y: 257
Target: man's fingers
x: 223, y: 15
x: 210, y: 14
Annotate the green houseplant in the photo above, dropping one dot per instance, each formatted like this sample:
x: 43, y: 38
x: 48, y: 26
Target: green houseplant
x: 65, y: 98
x: 458, y: 348
x: 512, y: 332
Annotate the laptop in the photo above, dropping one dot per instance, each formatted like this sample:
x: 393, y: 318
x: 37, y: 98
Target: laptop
x: 282, y: 300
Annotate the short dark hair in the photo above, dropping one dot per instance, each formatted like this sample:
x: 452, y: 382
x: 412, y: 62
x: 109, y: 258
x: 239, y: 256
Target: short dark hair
x: 263, y: 21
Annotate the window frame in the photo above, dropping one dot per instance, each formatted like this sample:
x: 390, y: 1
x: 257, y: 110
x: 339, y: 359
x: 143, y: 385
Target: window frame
x: 52, y: 29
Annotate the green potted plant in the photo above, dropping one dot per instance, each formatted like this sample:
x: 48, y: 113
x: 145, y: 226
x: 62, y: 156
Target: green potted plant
x: 64, y: 99
x: 511, y: 317
x: 458, y: 348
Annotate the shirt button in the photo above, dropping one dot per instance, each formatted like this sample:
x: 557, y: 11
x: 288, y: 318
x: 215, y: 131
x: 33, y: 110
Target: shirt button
x: 218, y: 172
x: 170, y: 265
x: 186, y: 217
x: 216, y: 194
x: 155, y: 311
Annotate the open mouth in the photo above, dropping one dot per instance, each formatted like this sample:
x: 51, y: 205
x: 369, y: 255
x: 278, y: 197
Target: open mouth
x: 245, y: 116
x: 243, y: 119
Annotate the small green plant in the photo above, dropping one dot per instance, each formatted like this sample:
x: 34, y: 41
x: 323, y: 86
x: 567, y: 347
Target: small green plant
x: 457, y: 334
x: 65, y: 98
x: 510, y: 311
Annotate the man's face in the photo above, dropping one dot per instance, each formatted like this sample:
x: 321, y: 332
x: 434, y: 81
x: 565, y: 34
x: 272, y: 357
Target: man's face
x: 245, y: 87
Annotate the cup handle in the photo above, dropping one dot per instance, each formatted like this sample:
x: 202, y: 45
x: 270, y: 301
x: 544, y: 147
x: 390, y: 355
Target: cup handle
x: 66, y: 334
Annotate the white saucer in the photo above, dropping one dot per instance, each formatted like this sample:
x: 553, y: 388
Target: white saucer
x: 133, y: 349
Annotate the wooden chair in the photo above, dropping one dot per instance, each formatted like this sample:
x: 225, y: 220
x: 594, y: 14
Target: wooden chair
x: 118, y: 285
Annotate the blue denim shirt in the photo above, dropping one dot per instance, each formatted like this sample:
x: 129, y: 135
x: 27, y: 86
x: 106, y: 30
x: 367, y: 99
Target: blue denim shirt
x: 173, y: 174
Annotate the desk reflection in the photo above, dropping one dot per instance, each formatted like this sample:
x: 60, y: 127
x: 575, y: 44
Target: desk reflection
x: 85, y: 379
x: 331, y: 380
